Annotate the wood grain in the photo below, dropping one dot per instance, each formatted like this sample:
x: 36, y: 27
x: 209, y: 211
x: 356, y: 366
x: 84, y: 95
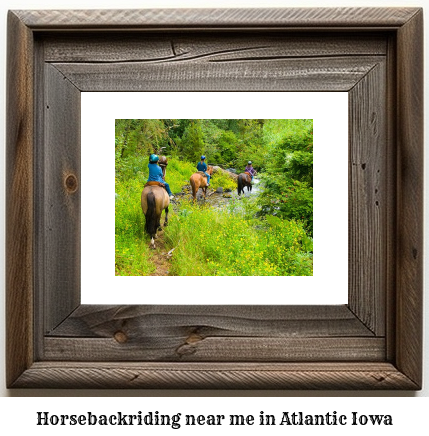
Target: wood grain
x: 409, y: 273
x: 290, y: 18
x: 213, y: 333
x: 61, y: 185
x: 368, y: 202
x: 19, y: 200
x: 295, y: 74
x: 193, y: 348
x: 99, y: 321
x: 178, y: 47
x: 301, y: 375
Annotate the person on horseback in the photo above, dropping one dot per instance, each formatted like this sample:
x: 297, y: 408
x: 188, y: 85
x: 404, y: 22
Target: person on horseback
x: 155, y: 174
x: 249, y: 169
x: 202, y: 166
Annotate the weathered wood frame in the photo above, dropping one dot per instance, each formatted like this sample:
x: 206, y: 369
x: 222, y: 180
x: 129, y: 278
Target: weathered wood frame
x: 374, y: 342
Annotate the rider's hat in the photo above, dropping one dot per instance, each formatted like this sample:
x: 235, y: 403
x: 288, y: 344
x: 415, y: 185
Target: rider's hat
x: 203, y: 157
x: 249, y: 163
x: 153, y: 158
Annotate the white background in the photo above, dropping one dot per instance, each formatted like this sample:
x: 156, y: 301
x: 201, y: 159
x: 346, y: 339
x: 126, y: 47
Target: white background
x: 329, y: 283
x: 18, y: 413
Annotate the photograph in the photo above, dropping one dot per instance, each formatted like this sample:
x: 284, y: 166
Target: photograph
x: 214, y: 197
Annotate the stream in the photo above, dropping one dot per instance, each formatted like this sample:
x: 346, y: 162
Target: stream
x: 216, y: 199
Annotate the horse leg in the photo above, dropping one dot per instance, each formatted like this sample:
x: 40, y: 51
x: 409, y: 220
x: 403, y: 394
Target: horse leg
x: 166, y: 217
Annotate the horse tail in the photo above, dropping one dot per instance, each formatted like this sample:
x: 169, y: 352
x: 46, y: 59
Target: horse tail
x: 239, y: 184
x: 151, y: 221
x: 194, y: 188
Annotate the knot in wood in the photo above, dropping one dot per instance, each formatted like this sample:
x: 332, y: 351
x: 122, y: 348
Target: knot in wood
x: 120, y: 337
x: 193, y: 337
x: 71, y: 183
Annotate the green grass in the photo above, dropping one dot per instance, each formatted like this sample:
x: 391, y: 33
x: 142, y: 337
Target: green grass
x: 218, y: 242
x: 132, y: 256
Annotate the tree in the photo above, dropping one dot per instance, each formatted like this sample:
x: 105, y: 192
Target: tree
x: 227, y: 149
x: 139, y: 137
x: 192, y: 143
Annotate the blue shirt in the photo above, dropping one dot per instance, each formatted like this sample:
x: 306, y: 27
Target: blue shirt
x: 202, y: 166
x: 155, y: 173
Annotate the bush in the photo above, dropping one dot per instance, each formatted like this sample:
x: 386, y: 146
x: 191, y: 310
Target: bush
x: 288, y: 178
x: 222, y: 180
x: 288, y: 199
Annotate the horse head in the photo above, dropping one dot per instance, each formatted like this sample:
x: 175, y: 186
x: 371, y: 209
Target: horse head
x: 163, y: 162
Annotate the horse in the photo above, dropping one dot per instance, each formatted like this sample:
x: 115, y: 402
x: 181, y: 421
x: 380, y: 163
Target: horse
x: 244, y: 179
x: 199, y: 180
x: 154, y: 200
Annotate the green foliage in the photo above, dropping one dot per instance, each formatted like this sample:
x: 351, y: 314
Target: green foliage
x: 288, y: 199
x: 178, y: 174
x: 139, y: 137
x: 130, y: 167
x: 221, y: 180
x: 227, y: 149
x: 288, y: 171
x: 192, y: 142
x: 252, y: 146
x: 225, y: 142
x: 219, y: 243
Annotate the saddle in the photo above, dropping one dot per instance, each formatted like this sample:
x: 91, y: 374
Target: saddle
x: 202, y: 173
x: 248, y: 173
x: 153, y: 183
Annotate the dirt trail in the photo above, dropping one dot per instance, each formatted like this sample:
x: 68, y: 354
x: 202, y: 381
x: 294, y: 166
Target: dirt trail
x: 159, y: 257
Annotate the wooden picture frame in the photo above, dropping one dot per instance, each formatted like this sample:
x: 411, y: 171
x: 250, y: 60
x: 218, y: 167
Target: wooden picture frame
x: 373, y: 342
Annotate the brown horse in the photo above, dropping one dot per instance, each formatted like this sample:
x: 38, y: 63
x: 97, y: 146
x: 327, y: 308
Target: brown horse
x: 199, y: 180
x: 244, y: 179
x: 154, y: 200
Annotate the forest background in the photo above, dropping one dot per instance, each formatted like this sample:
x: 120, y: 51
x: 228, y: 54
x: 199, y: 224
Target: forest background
x: 277, y: 223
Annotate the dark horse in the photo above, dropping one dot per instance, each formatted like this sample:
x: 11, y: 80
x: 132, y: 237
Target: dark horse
x: 199, y: 180
x: 244, y: 179
x: 154, y: 200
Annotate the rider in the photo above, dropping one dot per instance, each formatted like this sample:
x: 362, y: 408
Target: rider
x: 249, y: 169
x: 202, y: 166
x: 155, y: 173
